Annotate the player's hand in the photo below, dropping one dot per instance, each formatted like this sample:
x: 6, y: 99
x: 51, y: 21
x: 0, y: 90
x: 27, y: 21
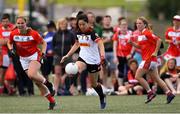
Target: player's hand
x: 43, y: 58
x: 128, y: 56
x: 154, y: 55
x: 64, y: 58
x: 103, y: 61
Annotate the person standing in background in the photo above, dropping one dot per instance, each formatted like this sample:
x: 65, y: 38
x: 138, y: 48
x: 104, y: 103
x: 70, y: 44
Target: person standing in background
x: 122, y: 50
x: 47, y: 66
x: 110, y: 68
x: 62, y: 43
x: 5, y: 30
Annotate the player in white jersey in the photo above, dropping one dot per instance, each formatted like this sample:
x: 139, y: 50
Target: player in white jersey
x: 91, y: 54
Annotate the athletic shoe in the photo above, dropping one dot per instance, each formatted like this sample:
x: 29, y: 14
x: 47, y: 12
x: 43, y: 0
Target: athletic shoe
x: 170, y: 97
x: 103, y: 102
x: 51, y: 106
x: 151, y: 95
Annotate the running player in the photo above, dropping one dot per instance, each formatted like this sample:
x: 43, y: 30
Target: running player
x: 26, y: 42
x: 149, y: 45
x: 173, y: 39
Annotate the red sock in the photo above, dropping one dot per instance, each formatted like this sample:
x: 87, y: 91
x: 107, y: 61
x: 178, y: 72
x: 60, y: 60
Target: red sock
x: 1, y: 89
x: 50, y: 98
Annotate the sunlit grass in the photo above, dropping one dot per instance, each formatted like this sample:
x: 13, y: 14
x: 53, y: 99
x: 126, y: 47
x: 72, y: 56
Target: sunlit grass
x: 90, y: 104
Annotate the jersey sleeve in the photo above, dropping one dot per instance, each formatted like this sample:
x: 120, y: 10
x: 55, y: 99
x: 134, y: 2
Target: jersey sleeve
x: 37, y: 37
x: 115, y: 36
x: 166, y: 35
x: 151, y: 36
x: 95, y: 37
x: 11, y: 37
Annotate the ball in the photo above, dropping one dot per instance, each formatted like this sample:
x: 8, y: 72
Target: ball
x: 71, y: 68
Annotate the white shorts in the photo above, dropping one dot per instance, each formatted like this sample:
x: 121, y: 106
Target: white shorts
x: 152, y: 65
x: 167, y: 57
x: 26, y: 60
x: 5, y: 61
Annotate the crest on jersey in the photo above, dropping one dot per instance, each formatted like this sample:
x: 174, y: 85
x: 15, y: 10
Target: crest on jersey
x: 142, y: 38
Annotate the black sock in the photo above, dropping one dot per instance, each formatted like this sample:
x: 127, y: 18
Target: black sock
x: 99, y: 91
x: 47, y: 83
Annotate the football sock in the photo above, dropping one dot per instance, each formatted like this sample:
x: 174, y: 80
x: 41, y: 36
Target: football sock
x: 50, y: 98
x: 1, y: 89
x: 99, y: 91
x: 46, y: 82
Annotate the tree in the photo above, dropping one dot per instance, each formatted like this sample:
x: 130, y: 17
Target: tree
x: 167, y: 8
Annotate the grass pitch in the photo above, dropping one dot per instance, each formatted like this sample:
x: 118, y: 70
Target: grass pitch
x: 88, y: 104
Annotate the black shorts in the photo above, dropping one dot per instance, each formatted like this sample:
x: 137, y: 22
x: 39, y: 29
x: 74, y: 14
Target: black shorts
x: 165, y: 76
x: 91, y: 68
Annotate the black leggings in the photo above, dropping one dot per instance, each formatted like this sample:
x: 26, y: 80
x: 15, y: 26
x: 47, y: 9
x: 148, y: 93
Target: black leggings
x: 122, y: 67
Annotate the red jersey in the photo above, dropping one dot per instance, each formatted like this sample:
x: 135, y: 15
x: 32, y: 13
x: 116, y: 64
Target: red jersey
x: 136, y: 33
x: 26, y: 44
x: 173, y: 35
x: 116, y: 29
x: 147, y: 42
x: 5, y: 34
x: 131, y: 77
x: 123, y: 47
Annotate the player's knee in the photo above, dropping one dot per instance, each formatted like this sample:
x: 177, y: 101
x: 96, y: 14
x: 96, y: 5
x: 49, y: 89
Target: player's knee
x: 31, y: 74
x: 137, y: 77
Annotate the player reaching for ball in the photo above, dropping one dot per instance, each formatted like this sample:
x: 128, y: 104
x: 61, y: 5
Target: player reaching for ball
x: 91, y: 54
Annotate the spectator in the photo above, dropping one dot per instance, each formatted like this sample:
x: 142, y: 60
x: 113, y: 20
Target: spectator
x: 122, y: 50
x: 132, y: 86
x: 5, y: 30
x: 62, y: 43
x: 47, y: 66
x: 93, y: 24
x: 110, y: 68
x: 171, y: 76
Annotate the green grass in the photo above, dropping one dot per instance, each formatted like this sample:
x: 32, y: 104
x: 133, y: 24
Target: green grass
x: 84, y: 104
x: 134, y: 6
x: 130, y: 6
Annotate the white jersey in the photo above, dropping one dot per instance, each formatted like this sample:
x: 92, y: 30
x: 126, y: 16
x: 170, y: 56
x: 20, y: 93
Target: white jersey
x: 89, y: 50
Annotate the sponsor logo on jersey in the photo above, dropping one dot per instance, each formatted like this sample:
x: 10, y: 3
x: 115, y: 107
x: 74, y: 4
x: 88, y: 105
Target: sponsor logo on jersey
x: 6, y: 34
x: 22, y: 38
x: 174, y: 34
x: 84, y: 37
x: 142, y: 38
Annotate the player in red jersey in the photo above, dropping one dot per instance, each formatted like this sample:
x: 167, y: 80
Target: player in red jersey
x: 149, y: 45
x: 173, y: 39
x: 5, y: 29
x: 26, y: 41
